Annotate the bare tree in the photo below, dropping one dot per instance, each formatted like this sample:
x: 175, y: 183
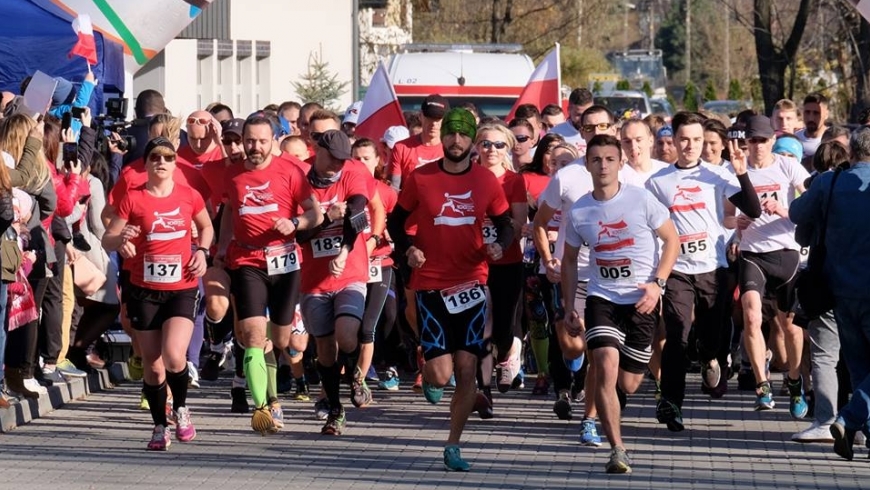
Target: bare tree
x: 773, y: 59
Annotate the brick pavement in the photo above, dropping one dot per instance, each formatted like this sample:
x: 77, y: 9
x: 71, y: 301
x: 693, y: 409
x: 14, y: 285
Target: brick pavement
x: 98, y: 443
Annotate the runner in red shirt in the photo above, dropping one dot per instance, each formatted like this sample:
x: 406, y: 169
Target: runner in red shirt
x: 336, y: 264
x: 258, y: 247
x: 452, y: 198
x: 151, y: 229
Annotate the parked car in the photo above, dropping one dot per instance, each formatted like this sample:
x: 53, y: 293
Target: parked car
x: 625, y: 103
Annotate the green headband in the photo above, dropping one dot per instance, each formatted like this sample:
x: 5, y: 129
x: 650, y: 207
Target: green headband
x: 460, y: 121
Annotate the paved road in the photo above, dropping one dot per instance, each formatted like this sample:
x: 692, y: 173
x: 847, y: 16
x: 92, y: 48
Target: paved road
x: 99, y: 443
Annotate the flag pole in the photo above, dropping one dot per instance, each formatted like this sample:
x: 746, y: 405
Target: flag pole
x: 559, y: 73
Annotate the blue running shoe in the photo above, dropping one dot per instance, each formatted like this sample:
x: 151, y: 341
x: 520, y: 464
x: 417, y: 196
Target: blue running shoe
x: 764, y: 397
x: 589, y: 433
x: 390, y: 381
x: 453, y: 459
x: 432, y: 394
x: 797, y: 402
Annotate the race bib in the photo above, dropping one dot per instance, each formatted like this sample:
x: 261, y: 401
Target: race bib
x: 282, y: 259
x: 489, y: 234
x: 328, y: 244
x: 376, y: 274
x: 618, y: 270
x: 162, y: 269
x: 460, y: 298
x: 696, y: 245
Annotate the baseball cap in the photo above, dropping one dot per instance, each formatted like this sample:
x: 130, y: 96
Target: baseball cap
x: 337, y: 143
x: 435, y: 106
x: 234, y: 126
x: 737, y: 132
x: 665, y: 132
x: 351, y: 115
x: 759, y: 127
x: 63, y: 92
x: 395, y: 134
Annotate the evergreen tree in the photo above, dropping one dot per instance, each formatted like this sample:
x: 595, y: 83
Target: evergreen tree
x: 735, y: 91
x: 623, y: 85
x: 690, y: 97
x: 710, y: 92
x: 596, y: 87
x: 319, y: 84
x: 647, y: 89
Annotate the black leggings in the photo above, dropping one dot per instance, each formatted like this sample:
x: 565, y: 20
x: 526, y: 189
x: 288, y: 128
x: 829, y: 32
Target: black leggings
x: 505, y: 287
x: 376, y: 299
x: 21, y: 342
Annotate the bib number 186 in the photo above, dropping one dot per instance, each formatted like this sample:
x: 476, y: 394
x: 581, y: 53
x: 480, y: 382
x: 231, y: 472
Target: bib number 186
x: 460, y: 299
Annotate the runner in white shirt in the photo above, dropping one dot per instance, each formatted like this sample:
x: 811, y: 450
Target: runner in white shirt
x: 769, y: 261
x: 694, y: 192
x: 568, y: 185
x: 637, y: 143
x: 620, y: 223
x: 579, y: 101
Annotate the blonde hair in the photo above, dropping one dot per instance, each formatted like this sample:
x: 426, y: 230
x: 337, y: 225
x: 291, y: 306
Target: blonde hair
x: 508, y: 136
x: 14, y: 131
x: 171, y: 127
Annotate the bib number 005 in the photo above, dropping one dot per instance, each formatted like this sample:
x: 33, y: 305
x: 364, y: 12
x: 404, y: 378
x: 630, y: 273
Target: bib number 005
x: 463, y: 297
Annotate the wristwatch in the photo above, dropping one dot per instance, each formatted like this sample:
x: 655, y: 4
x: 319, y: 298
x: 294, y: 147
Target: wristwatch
x: 204, y: 251
x: 295, y: 222
x: 378, y: 240
x: 663, y: 284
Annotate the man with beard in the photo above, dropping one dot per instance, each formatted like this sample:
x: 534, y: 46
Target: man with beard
x: 450, y: 198
x: 258, y: 247
x: 815, y: 122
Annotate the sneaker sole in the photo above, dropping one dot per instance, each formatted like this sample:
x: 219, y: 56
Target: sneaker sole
x: 827, y: 440
x: 764, y: 408
x: 620, y: 468
x: 591, y: 443
x: 463, y: 469
x: 186, y: 439
x: 562, y: 409
x: 263, y: 423
x: 841, y: 442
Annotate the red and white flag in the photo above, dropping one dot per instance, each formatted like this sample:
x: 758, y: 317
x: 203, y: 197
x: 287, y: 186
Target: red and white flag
x: 380, y: 108
x: 544, y: 85
x: 85, y: 47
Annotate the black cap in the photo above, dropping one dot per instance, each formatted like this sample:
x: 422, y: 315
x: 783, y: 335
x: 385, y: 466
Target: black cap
x: 337, y: 143
x: 435, y: 106
x: 737, y: 132
x: 759, y: 127
x: 234, y: 126
x: 154, y: 143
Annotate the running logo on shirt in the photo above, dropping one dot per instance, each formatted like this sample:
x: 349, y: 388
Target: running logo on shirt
x: 423, y: 161
x: 687, y: 199
x: 613, y: 236
x: 456, y: 210
x: 260, y: 198
x: 165, y: 226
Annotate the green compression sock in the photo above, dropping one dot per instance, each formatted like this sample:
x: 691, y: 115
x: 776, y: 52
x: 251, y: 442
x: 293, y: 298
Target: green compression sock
x: 255, y: 373
x: 271, y: 376
x: 540, y: 348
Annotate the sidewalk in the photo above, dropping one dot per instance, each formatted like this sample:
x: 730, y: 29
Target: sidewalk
x: 98, y: 443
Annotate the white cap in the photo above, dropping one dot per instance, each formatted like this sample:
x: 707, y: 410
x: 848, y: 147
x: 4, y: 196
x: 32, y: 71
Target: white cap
x: 351, y: 115
x: 394, y: 134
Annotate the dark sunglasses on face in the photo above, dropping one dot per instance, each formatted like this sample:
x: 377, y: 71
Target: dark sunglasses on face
x: 316, y: 135
x: 156, y: 158
x: 757, y: 141
x: 523, y: 138
x: 588, y: 128
x: 499, y: 145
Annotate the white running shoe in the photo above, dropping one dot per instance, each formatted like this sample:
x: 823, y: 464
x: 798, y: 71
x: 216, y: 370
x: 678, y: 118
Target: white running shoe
x: 814, y: 433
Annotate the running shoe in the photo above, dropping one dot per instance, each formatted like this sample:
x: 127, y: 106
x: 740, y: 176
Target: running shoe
x: 321, y: 409
x: 302, y: 393
x: 453, y: 459
x: 814, y: 433
x: 618, y: 462
x: 262, y: 422
x: 143, y: 402
x: 797, y: 402
x: 506, y: 371
x: 764, y: 397
x: 67, y: 368
x: 240, y: 400
x: 711, y: 374
x: 483, y: 406
x: 843, y: 439
x: 335, y: 422
x: 159, y: 439
x: 432, y: 394
x: 418, y: 382
x: 589, y: 433
x: 562, y: 407
x: 669, y: 413
x: 277, y: 415
x: 214, y: 363
x: 372, y: 375
x: 720, y: 389
x: 134, y: 368
x: 542, y: 385
x: 360, y: 394
x: 390, y: 381
x: 192, y: 375
x: 184, y: 429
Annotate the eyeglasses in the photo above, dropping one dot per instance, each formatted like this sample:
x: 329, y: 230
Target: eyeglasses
x: 499, y: 145
x: 156, y: 158
x: 757, y: 141
x: 198, y: 121
x: 523, y: 138
x: 316, y: 135
x: 588, y: 128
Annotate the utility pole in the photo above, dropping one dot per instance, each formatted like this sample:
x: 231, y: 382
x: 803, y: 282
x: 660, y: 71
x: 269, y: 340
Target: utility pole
x: 688, y: 41
x: 579, y: 22
x: 652, y: 22
x: 727, y: 44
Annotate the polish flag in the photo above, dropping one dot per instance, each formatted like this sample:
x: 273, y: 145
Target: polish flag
x: 85, y: 47
x: 380, y: 108
x: 544, y: 85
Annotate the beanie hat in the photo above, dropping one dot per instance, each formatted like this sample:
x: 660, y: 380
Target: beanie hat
x: 790, y: 145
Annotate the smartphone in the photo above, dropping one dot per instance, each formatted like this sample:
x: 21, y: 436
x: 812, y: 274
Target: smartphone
x: 66, y: 122
x: 70, y: 154
x: 77, y: 112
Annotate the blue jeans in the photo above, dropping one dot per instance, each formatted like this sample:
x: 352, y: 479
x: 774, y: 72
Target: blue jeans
x: 853, y: 322
x: 3, y: 327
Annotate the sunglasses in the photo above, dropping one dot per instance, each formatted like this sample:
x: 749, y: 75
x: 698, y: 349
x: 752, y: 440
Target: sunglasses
x: 499, y: 145
x: 316, y: 135
x: 198, y: 121
x: 588, y: 128
x: 229, y: 141
x: 523, y: 138
x: 157, y: 158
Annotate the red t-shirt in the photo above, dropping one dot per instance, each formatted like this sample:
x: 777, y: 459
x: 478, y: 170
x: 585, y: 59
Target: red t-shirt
x: 257, y: 198
x: 515, y: 192
x: 450, y: 211
x: 163, y: 248
x: 212, y: 169
x: 320, y: 250
x: 389, y: 197
x: 411, y: 154
x: 135, y: 175
x: 535, y: 184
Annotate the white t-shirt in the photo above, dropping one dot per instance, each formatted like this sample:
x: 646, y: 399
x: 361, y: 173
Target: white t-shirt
x: 630, y: 175
x: 810, y: 144
x: 695, y: 197
x: 571, y: 135
x: 569, y: 184
x: 777, y: 181
x: 621, y: 233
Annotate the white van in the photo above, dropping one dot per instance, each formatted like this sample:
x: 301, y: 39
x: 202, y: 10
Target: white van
x: 490, y: 76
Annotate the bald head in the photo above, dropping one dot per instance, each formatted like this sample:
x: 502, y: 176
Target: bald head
x: 201, y: 132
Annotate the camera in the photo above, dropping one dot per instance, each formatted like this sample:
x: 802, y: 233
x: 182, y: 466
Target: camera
x: 113, y: 120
